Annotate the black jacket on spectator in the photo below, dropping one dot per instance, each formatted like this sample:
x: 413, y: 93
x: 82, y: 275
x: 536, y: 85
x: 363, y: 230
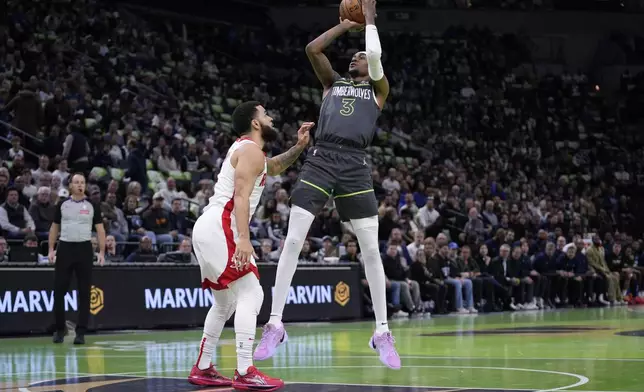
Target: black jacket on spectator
x: 16, y: 216
x: 545, y: 264
x: 439, y: 262
x: 179, y: 222
x: 614, y: 262
x: 513, y: 269
x: 393, y: 269
x: 420, y: 273
x: 43, y: 215
x: 157, y: 220
x: 136, y: 168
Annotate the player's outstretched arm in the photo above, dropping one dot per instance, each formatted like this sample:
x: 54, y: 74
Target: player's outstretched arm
x: 374, y: 53
x: 319, y: 61
x: 250, y: 163
x: 278, y: 164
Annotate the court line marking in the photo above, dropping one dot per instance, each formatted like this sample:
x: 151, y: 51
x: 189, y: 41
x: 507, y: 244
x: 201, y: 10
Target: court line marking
x: 581, y: 380
x: 299, y: 382
x: 371, y: 356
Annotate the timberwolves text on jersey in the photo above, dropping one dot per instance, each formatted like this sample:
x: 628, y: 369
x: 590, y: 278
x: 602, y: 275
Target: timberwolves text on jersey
x: 348, y: 114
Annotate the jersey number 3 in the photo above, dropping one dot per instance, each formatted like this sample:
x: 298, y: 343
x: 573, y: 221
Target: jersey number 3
x: 347, y: 106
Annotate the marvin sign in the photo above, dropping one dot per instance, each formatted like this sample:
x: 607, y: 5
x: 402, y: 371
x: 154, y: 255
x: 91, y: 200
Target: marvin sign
x: 168, y: 296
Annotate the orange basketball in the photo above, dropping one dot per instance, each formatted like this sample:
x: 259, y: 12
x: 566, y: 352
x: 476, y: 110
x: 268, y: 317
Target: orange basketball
x: 352, y: 10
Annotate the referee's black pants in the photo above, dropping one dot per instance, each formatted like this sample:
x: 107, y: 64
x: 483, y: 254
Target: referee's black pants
x: 78, y: 258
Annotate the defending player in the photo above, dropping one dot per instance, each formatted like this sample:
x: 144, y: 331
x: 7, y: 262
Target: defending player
x: 221, y: 239
x: 337, y: 166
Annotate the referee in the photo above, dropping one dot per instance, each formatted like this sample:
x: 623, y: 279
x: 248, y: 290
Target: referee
x: 76, y: 217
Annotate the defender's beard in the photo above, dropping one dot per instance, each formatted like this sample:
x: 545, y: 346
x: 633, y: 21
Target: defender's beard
x: 269, y: 134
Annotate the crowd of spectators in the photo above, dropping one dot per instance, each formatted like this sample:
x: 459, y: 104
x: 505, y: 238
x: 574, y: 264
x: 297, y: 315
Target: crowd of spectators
x: 490, y: 178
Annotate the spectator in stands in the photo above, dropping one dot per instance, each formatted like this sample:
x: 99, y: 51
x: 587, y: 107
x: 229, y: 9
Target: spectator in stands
x: 306, y: 256
x: 16, y: 149
x: 166, y: 162
x: 4, y: 183
x: 43, y: 167
x: 62, y: 171
x: 144, y: 254
x: 448, y: 271
x: 545, y: 264
x: 17, y: 168
x: 427, y: 216
x: 474, y: 226
x: 276, y: 228
x: 568, y: 263
x: 31, y: 241
x: 481, y: 286
x: 431, y: 289
x: 29, y: 190
x: 508, y: 273
x: 112, y: 255
x: 190, y: 160
x: 518, y: 260
x: 44, y: 180
x: 4, y: 250
x: 183, y: 255
x: 136, y: 165
x: 156, y: 222
x: 351, y: 254
x: 328, y: 251
x: 76, y: 149
x: 28, y: 110
x: 267, y: 254
x: 19, y: 184
x: 14, y: 217
x: 114, y: 219
x: 390, y: 183
x: 395, y: 272
x: 43, y: 212
x: 179, y: 218
x: 597, y: 261
x: 416, y: 246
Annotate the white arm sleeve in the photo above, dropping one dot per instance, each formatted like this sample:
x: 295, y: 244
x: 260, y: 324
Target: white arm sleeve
x: 374, y: 52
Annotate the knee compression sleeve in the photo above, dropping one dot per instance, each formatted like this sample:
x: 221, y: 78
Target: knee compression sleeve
x: 366, y: 229
x: 250, y: 296
x: 300, y: 221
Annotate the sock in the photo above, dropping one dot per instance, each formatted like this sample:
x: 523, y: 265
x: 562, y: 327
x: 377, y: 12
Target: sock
x: 366, y: 230
x: 250, y: 296
x: 217, y: 316
x: 300, y: 221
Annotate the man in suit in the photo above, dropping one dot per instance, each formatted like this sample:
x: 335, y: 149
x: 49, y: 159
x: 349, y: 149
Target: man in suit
x: 597, y: 263
x: 507, y: 273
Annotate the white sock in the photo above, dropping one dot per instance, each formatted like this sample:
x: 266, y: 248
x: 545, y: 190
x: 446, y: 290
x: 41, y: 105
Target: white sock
x: 300, y: 221
x: 366, y: 230
x: 250, y: 296
x: 217, y: 316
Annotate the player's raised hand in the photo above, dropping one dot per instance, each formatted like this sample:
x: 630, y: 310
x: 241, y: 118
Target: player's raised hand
x: 303, y: 135
x: 369, y: 8
x: 244, y: 253
x: 350, y: 25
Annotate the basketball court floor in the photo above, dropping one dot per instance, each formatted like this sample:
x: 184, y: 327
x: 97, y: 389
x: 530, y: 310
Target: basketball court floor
x: 570, y: 350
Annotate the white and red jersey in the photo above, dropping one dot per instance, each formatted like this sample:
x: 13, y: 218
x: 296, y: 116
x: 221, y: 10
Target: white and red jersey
x: 225, y: 186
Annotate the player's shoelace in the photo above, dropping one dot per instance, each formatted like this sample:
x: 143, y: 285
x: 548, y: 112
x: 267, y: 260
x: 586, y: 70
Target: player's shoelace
x: 269, y: 335
x: 386, y: 338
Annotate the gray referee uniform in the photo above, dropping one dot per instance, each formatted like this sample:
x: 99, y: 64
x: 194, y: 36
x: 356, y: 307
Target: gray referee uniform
x: 74, y: 254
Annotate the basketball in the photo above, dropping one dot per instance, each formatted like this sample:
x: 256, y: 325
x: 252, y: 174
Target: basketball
x: 352, y: 10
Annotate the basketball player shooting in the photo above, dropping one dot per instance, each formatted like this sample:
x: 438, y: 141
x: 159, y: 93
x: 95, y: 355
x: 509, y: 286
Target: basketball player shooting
x: 337, y: 166
x: 221, y: 240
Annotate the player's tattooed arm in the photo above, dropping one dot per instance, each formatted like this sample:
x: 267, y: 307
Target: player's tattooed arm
x: 278, y: 164
x: 249, y: 163
x: 321, y: 65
